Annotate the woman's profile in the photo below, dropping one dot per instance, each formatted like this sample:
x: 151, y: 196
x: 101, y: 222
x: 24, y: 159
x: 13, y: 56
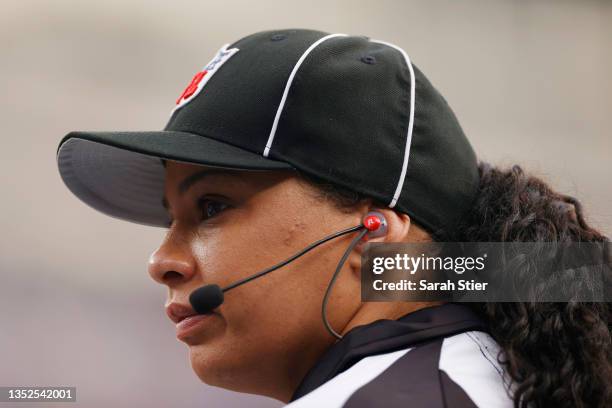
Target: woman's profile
x: 289, y: 136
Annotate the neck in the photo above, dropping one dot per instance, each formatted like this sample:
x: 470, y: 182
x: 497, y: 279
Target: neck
x: 369, y: 312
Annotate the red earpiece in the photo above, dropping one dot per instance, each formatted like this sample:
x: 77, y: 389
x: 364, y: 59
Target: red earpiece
x: 375, y: 223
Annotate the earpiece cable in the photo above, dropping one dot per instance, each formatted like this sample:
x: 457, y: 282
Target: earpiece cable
x: 333, y: 280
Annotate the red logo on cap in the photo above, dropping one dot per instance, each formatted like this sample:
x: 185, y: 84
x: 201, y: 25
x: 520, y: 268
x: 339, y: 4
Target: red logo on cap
x: 192, y: 87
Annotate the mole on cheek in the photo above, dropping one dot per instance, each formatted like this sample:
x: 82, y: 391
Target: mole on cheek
x: 295, y: 230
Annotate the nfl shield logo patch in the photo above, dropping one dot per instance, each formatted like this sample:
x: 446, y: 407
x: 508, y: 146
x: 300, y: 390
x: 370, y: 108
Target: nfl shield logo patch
x: 200, y: 79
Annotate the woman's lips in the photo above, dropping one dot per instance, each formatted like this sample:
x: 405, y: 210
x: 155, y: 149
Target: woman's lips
x: 191, y: 324
x: 187, y: 321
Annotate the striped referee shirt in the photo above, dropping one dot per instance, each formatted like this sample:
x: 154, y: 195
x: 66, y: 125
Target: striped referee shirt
x: 435, y: 357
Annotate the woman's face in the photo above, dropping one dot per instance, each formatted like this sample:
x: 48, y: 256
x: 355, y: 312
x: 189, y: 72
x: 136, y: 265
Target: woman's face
x: 230, y: 224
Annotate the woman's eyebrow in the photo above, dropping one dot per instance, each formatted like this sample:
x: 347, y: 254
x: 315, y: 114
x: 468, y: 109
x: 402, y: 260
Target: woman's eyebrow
x: 194, y: 178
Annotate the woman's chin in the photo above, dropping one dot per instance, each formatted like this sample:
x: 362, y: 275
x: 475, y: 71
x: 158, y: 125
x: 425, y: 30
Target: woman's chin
x: 214, y: 368
x: 227, y: 371
x: 209, y: 363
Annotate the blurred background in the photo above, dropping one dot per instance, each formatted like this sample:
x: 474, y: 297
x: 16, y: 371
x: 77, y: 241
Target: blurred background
x: 529, y: 81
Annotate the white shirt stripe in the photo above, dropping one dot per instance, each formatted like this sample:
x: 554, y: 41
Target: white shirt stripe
x: 337, y: 391
x: 470, y: 360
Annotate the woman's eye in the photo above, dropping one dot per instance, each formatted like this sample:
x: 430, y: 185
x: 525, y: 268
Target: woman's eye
x: 210, y: 208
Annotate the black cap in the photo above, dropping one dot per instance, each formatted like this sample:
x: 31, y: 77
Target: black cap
x: 347, y: 109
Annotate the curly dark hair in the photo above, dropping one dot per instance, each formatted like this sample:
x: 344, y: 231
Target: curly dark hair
x: 557, y: 354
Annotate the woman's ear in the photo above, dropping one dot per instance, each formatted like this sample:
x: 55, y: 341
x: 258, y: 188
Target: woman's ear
x: 398, y: 229
x: 398, y: 226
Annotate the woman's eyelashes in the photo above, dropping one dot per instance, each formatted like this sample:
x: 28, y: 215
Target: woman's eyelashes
x: 207, y: 207
x: 210, y: 207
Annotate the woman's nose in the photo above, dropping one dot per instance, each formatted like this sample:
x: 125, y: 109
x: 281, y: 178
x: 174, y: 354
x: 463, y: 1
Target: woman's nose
x: 171, y: 265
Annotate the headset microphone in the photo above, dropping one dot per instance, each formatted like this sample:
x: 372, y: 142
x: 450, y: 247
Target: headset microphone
x: 206, y: 298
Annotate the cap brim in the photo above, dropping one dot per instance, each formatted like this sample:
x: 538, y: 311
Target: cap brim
x: 120, y: 173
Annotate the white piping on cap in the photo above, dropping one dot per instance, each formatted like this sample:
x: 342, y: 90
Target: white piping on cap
x: 398, y: 189
x: 288, y: 85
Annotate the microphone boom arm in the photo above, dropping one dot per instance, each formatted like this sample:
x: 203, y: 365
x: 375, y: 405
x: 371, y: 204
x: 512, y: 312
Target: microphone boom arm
x: 292, y: 258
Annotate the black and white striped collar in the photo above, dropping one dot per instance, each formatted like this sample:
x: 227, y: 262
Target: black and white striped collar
x: 384, y: 336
